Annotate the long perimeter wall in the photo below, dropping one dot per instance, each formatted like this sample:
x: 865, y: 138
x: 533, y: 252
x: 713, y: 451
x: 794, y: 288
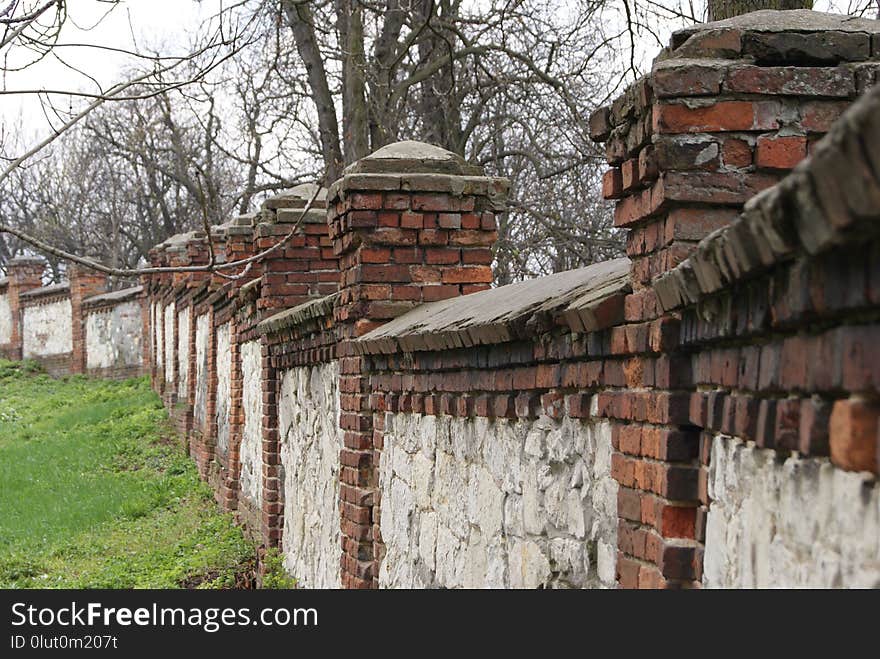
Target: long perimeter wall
x: 703, y: 413
x: 73, y: 327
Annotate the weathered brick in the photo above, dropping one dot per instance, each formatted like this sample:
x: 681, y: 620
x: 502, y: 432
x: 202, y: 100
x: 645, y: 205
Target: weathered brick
x: 600, y: 124
x: 791, y: 81
x: 612, y: 184
x: 799, y: 48
x: 629, y: 173
x: 687, y: 78
x: 815, y: 415
x: 715, y: 117
x: 853, y: 434
x: 775, y: 152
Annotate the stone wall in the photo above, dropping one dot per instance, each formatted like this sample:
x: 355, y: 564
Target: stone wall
x: 5, y: 319
x: 159, y: 335
x: 183, y: 339
x: 114, y: 339
x: 251, y: 449
x: 497, y: 503
x: 168, y: 343
x: 224, y: 375
x: 310, y: 439
x: 788, y: 522
x: 203, y: 332
x: 47, y: 329
x: 72, y: 327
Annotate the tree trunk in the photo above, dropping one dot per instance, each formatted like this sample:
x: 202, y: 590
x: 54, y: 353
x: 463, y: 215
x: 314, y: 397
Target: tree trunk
x: 301, y: 24
x: 355, y: 127
x: 721, y: 9
x: 439, y: 110
x: 383, y: 129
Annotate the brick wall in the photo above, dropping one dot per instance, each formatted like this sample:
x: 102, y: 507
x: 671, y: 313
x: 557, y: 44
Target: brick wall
x: 73, y: 327
x: 23, y: 274
x: 647, y: 422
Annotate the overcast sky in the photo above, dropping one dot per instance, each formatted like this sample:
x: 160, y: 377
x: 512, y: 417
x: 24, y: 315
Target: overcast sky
x: 157, y: 24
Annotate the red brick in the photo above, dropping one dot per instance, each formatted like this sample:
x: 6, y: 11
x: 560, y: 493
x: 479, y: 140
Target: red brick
x: 548, y: 376
x: 553, y: 404
x: 781, y: 152
x: 677, y: 521
x: 815, y: 415
x: 412, y: 220
x: 433, y: 237
x: 612, y: 184
x: 449, y: 220
x: 470, y: 221
x: 375, y: 255
x: 630, y: 439
x: 578, y: 405
x: 647, y: 165
x: 477, y: 256
x: 736, y: 153
x: 787, y: 428
x: 435, y: 202
x: 819, y: 116
x: 504, y: 407
x: 425, y: 274
x: 629, y: 173
x: 467, y: 274
x: 441, y: 255
x: 627, y: 572
x: 527, y: 405
x: 434, y: 293
x: 385, y: 273
x: 473, y: 238
x: 853, y: 434
x: 393, y: 236
x: 791, y: 80
x: 720, y: 116
x: 629, y: 504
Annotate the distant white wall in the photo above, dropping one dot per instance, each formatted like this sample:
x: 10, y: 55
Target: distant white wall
x: 158, y: 332
x: 224, y: 382
x: 114, y: 336
x: 203, y: 332
x: 793, y: 523
x: 5, y: 319
x: 169, y: 342
x: 47, y: 329
x: 183, y: 330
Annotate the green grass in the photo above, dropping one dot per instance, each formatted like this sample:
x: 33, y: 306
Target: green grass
x: 94, y: 495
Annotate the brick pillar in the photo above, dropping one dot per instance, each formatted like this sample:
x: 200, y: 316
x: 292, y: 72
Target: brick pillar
x: 303, y: 269
x: 727, y: 111
x: 25, y: 274
x: 240, y: 244
x: 411, y: 223
x: 84, y: 283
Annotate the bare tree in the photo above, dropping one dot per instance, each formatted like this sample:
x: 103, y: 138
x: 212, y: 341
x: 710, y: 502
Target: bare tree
x: 274, y: 93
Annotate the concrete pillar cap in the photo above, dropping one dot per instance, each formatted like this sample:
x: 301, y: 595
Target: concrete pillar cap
x: 411, y: 157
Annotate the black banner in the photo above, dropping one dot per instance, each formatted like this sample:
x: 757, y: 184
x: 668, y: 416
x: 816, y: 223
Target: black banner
x: 368, y: 621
